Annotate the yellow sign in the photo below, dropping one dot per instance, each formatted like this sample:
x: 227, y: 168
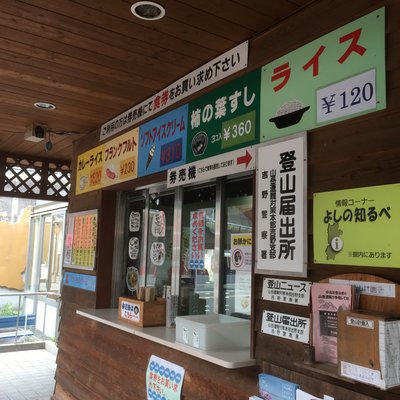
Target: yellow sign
x: 120, y: 158
x: 358, y: 226
x: 89, y: 170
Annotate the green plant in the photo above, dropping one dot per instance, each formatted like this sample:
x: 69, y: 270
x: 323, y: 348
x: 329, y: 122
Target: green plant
x: 7, y: 309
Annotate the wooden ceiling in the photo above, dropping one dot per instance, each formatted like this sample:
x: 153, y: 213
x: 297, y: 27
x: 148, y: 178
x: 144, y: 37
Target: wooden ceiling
x: 93, y: 59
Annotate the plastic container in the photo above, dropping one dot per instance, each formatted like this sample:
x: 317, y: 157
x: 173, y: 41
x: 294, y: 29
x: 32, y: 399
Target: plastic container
x: 213, y: 331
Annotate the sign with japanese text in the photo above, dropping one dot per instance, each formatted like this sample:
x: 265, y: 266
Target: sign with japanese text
x: 197, y: 239
x: 164, y: 379
x: 120, y: 158
x: 358, y: 226
x: 225, y: 119
x: 217, y: 69
x: 162, y: 142
x: 281, y: 221
x: 286, y: 291
x: 337, y: 76
x: 89, y: 170
x: 241, y: 244
x: 241, y: 160
x: 286, y: 326
x: 80, y: 240
x: 80, y: 281
x: 130, y: 311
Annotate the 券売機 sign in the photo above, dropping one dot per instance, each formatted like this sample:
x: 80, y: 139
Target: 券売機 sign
x: 241, y: 160
x: 358, y: 226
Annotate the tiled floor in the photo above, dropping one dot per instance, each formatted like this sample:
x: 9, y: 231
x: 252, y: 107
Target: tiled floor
x: 27, y: 375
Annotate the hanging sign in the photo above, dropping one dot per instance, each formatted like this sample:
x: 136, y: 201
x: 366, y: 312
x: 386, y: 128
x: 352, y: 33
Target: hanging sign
x: 162, y: 142
x: 281, y: 221
x: 286, y: 326
x: 120, y: 158
x: 80, y: 240
x: 89, y: 170
x: 225, y: 119
x: 358, y: 226
x: 164, y: 379
x: 234, y: 162
x: 217, y: 69
x: 197, y: 239
x: 337, y: 76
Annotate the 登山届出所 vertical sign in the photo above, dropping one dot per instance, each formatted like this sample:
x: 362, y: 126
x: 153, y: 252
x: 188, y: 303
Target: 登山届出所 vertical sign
x: 120, y: 158
x: 225, y: 119
x: 337, y: 76
x: 89, y: 170
x: 281, y: 221
x: 162, y: 142
x: 358, y: 226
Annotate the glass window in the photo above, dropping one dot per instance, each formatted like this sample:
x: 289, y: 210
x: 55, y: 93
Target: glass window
x: 196, y: 294
x: 159, y: 243
x: 237, y: 245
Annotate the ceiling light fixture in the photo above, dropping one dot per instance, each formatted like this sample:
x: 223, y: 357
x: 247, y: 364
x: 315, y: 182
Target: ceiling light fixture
x: 148, y: 10
x: 43, y: 105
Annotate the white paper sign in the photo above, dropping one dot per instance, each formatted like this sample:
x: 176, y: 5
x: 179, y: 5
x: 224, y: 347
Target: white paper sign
x: 281, y: 221
x: 234, y: 162
x: 351, y: 96
x: 130, y: 311
x: 286, y: 326
x: 378, y: 289
x: 359, y: 373
x: 286, y: 291
x: 217, y: 69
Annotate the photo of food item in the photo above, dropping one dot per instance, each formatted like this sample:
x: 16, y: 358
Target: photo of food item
x: 199, y: 143
x: 151, y: 155
x: 132, y: 279
x: 110, y: 172
x: 289, y: 114
x: 83, y: 181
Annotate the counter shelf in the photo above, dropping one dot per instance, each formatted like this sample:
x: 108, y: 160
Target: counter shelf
x: 227, y: 358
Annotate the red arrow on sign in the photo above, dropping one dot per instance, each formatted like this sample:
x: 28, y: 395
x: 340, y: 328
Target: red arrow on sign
x: 244, y: 159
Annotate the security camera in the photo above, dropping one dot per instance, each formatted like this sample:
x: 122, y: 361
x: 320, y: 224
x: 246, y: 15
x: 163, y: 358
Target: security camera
x: 35, y: 132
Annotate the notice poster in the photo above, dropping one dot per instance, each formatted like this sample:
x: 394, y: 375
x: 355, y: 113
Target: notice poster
x: 281, y: 208
x: 81, y: 239
x: 164, y: 379
x: 197, y: 239
x: 358, y: 226
x: 241, y: 244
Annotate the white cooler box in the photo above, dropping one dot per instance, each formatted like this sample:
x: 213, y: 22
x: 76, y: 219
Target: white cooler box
x: 213, y: 331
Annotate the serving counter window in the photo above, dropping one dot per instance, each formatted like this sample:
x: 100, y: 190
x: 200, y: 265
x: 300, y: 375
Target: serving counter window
x: 195, y: 242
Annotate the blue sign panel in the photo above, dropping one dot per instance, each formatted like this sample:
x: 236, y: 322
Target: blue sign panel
x: 80, y: 281
x: 162, y: 142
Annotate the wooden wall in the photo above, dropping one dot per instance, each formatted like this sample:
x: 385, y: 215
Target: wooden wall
x: 99, y: 362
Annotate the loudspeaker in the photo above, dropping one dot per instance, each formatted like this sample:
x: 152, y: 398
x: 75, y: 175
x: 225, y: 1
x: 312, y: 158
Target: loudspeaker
x: 35, y: 132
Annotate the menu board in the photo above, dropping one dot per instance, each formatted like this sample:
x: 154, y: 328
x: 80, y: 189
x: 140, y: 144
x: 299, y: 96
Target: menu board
x: 80, y: 240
